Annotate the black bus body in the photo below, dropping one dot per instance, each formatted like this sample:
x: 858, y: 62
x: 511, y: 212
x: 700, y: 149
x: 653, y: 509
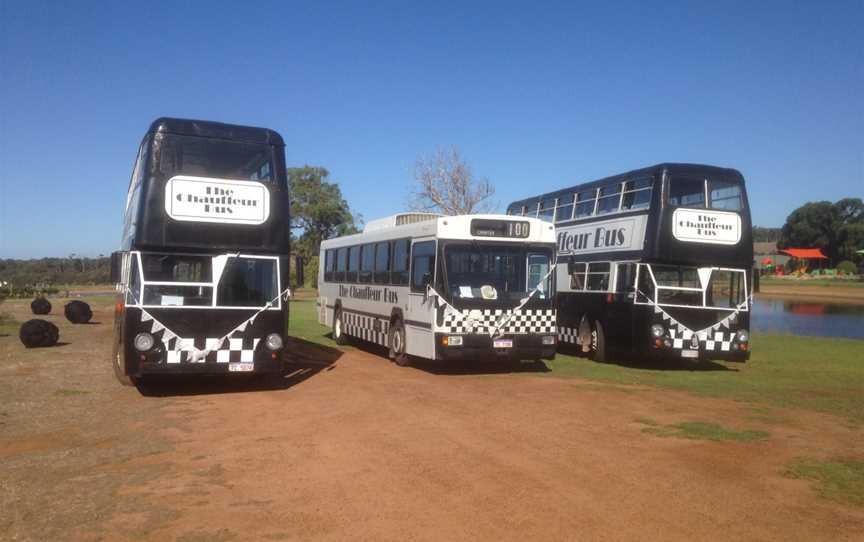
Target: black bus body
x: 656, y: 260
x: 204, y: 249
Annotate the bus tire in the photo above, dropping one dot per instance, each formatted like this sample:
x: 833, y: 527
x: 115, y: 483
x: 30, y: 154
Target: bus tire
x: 339, y: 336
x: 397, y: 348
x: 119, y: 373
x: 598, y: 342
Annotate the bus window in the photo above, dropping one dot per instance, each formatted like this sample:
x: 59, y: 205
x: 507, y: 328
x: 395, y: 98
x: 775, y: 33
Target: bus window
x: 547, y: 209
x: 725, y: 289
x: 176, y: 268
x: 676, y: 276
x: 687, y: 192
x: 399, y: 276
x: 538, y: 267
x: 422, y: 265
x: 565, y: 208
x: 179, y: 296
x: 329, y: 265
x: 577, y: 276
x: 585, y: 203
x: 367, y: 262
x: 725, y: 195
x: 625, y: 276
x: 247, y: 282
x: 598, y: 276
x: 353, y: 264
x: 341, y: 264
x: 637, y: 194
x: 609, y: 199
x: 382, y: 263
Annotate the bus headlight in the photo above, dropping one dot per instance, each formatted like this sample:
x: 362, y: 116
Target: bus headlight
x: 657, y: 331
x: 548, y: 340
x: 742, y: 336
x: 273, y: 341
x: 143, y: 342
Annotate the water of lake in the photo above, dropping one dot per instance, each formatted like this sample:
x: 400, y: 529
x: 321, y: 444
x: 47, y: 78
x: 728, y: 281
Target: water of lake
x: 808, y: 318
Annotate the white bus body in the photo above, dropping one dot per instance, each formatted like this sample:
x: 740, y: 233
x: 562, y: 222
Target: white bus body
x: 443, y: 287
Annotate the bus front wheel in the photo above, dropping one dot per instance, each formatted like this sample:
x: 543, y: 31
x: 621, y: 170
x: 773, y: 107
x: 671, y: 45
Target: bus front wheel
x: 339, y: 329
x: 121, y: 375
x: 397, y: 344
x: 598, y: 342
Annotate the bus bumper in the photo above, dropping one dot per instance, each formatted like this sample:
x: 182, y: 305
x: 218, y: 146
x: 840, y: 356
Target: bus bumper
x: 262, y: 365
x: 480, y: 347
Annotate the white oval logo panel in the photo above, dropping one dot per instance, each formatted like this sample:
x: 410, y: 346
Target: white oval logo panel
x: 704, y: 226
x: 203, y: 199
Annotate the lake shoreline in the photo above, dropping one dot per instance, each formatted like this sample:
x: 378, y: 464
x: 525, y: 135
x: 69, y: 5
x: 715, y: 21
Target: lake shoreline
x: 851, y: 295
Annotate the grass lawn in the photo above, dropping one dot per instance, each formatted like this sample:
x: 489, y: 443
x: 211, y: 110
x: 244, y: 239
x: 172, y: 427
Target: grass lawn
x: 820, y: 374
x: 805, y: 283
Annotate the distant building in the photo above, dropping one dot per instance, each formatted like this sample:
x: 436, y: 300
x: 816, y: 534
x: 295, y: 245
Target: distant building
x: 763, y: 251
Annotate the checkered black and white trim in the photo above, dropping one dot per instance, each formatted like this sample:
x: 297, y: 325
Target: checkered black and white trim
x: 708, y: 340
x: 232, y: 350
x: 524, y: 321
x: 367, y: 328
x: 568, y: 335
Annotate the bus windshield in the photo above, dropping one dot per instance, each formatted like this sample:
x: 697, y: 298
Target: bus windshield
x: 693, y: 286
x: 180, y: 280
x: 496, y: 272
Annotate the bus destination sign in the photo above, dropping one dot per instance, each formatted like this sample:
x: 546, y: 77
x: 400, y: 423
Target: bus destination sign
x: 482, y: 227
x: 201, y: 199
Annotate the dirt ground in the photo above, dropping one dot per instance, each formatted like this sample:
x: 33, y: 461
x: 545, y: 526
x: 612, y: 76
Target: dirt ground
x: 811, y: 293
x: 351, y: 446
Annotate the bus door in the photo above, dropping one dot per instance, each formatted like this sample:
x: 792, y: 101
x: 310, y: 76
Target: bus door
x: 619, y: 304
x: 421, y: 308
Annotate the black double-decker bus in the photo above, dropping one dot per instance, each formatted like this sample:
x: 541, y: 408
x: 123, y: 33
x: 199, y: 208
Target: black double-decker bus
x: 655, y: 260
x: 203, y: 264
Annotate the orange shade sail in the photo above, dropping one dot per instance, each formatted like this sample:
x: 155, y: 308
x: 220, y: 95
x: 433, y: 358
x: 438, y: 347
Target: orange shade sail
x: 805, y: 253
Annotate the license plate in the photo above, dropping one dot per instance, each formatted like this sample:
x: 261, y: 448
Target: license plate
x: 689, y: 353
x: 240, y: 367
x: 502, y: 343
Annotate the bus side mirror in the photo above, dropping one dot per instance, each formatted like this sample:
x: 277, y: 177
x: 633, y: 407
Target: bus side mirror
x: 116, y: 266
x: 298, y: 270
x: 427, y: 279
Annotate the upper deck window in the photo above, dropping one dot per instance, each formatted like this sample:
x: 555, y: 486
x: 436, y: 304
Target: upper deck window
x: 217, y: 158
x: 565, y: 208
x: 585, y: 201
x: 687, y: 192
x: 725, y: 195
x: 692, y: 192
x: 547, y: 209
x: 637, y: 194
x: 609, y: 199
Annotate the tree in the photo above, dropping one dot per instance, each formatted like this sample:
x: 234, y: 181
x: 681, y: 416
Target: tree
x: 445, y: 184
x: 836, y: 228
x: 317, y: 209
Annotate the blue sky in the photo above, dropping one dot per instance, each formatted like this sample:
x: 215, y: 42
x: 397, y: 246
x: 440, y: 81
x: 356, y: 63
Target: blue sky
x: 537, y: 97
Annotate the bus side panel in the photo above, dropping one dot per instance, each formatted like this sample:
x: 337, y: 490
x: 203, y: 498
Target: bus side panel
x: 420, y: 341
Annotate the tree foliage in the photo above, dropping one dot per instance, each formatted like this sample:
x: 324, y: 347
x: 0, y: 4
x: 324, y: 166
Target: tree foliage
x: 45, y: 272
x: 318, y: 209
x: 444, y: 183
x: 836, y: 228
x: 762, y: 235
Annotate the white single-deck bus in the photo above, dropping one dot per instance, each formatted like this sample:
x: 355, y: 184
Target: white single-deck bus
x: 443, y: 287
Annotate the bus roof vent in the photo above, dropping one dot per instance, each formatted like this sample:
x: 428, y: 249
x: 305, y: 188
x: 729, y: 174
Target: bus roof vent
x: 400, y: 219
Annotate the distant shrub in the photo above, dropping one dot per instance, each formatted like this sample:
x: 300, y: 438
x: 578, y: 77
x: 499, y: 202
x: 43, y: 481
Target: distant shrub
x: 846, y: 267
